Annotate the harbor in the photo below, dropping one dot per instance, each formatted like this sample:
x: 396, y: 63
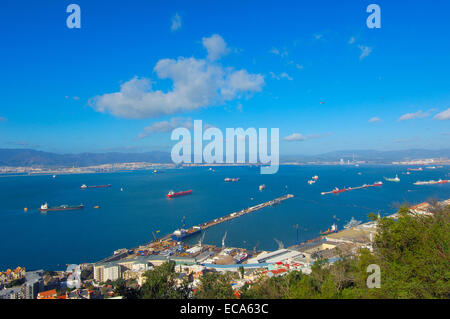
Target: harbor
x: 233, y: 215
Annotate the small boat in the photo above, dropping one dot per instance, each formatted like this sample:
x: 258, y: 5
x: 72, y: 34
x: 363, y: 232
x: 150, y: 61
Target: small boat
x: 262, y: 187
x: 310, y: 182
x: 96, y: 206
x: 315, y: 177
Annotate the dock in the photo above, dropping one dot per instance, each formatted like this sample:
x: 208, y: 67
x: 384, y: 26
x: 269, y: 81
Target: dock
x: 237, y: 214
x: 244, y: 212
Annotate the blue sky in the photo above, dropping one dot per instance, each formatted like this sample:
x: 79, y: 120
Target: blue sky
x: 136, y: 69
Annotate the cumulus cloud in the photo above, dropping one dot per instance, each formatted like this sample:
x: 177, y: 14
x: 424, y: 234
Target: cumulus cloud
x: 365, y: 51
x: 374, y: 119
x: 283, y: 75
x: 444, y: 115
x: 197, y: 83
x: 166, y: 126
x: 318, y: 36
x: 3, y: 119
x: 216, y: 47
x: 295, y: 137
x: 352, y: 40
x: 176, y: 22
x: 411, y: 116
x: 300, y: 137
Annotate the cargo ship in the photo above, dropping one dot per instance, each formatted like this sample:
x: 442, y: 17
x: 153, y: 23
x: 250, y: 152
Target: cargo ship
x: 395, y: 179
x: 45, y: 208
x: 337, y: 190
x: 377, y: 184
x: 415, y: 169
x: 84, y: 186
x: 181, y: 233
x: 441, y: 181
x: 333, y: 229
x: 172, y: 194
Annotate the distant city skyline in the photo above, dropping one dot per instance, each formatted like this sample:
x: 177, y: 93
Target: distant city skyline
x: 137, y: 70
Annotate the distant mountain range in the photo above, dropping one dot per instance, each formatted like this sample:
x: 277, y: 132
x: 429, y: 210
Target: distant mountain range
x: 370, y: 156
x: 29, y: 157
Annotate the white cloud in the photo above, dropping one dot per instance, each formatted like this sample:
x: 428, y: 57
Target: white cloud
x: 352, y: 40
x: 444, y: 115
x: 176, y: 22
x: 276, y: 51
x: 216, y: 47
x: 365, y: 51
x: 3, y: 119
x: 283, y: 75
x: 299, y: 137
x: 411, y: 116
x: 166, y: 126
x: 318, y: 36
x: 295, y: 137
x: 374, y: 119
x: 197, y: 83
x: 299, y: 66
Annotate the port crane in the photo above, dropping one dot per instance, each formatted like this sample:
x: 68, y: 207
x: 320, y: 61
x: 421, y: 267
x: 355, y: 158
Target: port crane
x: 280, y: 243
x: 223, y: 239
x: 256, y: 246
x: 201, y: 239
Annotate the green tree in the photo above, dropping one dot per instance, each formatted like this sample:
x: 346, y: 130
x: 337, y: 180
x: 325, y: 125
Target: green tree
x: 215, y: 286
x: 160, y: 283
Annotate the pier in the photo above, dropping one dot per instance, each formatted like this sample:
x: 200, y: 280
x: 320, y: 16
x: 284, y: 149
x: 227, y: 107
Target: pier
x: 237, y: 214
x: 244, y: 212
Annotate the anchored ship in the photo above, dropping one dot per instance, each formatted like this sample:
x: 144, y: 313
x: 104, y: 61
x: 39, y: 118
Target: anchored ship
x: 262, y: 187
x: 182, y: 233
x: 84, y: 186
x: 315, y: 177
x: 441, y: 181
x: 415, y: 169
x: 310, y: 182
x: 236, y: 179
x: 46, y: 208
x: 352, y: 223
x: 377, y: 184
x: 337, y: 190
x: 395, y: 179
x: 172, y: 194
